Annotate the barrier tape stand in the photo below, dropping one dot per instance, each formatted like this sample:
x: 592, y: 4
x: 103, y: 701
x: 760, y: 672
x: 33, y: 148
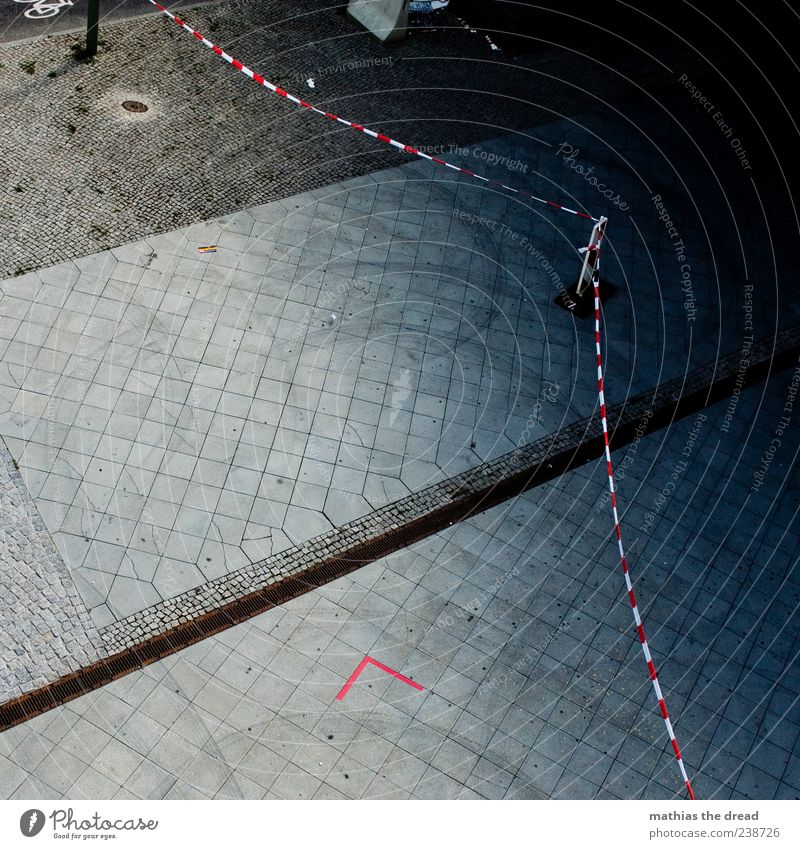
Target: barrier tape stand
x: 591, y: 266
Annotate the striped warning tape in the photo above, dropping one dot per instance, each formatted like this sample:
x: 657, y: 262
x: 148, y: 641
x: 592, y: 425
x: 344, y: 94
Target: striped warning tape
x: 594, y: 249
x: 379, y: 136
x: 466, y: 26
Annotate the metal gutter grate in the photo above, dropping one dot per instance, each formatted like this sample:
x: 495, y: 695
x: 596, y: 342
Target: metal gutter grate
x: 668, y: 401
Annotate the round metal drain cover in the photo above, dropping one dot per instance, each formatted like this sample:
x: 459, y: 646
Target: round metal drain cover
x: 134, y: 106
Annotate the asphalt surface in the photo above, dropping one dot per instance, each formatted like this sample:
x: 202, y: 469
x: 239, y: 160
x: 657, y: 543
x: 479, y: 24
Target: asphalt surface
x: 24, y: 19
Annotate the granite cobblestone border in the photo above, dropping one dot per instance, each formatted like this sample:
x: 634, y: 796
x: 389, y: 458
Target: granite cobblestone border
x: 46, y: 629
x: 167, y: 627
x: 475, y: 489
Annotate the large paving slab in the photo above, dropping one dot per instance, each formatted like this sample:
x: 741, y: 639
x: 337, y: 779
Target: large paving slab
x: 175, y: 416
x: 517, y: 626
x: 179, y: 415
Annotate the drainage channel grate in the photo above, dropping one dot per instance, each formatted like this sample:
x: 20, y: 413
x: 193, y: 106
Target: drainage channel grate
x: 667, y: 402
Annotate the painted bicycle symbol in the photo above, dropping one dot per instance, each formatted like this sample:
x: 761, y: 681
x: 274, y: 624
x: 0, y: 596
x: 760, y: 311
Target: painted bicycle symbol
x: 44, y: 8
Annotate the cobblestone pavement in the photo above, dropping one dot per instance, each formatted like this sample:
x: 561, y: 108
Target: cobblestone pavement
x: 86, y: 175
x: 46, y: 631
x: 516, y: 625
x: 16, y: 25
x: 177, y: 415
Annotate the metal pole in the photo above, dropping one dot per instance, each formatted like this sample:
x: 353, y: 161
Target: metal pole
x: 92, y: 25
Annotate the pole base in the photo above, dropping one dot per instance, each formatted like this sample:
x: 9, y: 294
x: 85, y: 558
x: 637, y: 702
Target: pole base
x: 582, y: 306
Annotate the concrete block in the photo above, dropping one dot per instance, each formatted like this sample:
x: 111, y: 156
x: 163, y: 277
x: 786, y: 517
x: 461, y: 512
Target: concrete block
x: 387, y: 20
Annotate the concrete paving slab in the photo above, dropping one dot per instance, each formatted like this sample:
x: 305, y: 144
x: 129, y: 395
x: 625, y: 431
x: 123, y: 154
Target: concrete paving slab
x: 176, y: 416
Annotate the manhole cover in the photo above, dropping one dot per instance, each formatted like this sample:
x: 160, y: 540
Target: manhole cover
x: 134, y: 106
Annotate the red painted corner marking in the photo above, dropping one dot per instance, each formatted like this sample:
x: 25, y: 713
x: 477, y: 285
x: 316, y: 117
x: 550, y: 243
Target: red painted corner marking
x: 382, y: 666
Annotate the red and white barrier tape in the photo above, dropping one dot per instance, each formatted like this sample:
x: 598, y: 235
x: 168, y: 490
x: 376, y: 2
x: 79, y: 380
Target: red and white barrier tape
x: 379, y: 136
x: 593, y: 249
x: 466, y: 26
x: 651, y: 668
